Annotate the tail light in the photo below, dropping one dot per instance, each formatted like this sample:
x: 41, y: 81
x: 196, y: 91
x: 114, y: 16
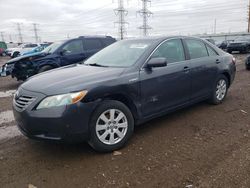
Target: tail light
x: 234, y: 60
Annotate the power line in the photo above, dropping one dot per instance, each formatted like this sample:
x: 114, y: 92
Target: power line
x: 145, y: 13
x: 35, y: 32
x: 121, y: 12
x: 19, y: 32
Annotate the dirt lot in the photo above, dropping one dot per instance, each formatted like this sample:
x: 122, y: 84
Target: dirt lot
x: 200, y: 146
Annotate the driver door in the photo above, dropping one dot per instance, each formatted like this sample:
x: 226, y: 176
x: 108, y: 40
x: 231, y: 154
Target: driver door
x: 72, y: 52
x: 163, y: 88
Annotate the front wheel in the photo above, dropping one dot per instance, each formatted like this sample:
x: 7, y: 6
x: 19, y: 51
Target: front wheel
x: 220, y: 90
x: 111, y: 126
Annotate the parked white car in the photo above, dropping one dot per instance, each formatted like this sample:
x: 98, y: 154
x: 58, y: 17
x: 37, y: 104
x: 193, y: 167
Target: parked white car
x: 14, y: 52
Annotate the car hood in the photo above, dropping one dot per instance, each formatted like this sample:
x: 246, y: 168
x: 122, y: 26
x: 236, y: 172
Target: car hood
x: 71, y: 78
x: 33, y: 56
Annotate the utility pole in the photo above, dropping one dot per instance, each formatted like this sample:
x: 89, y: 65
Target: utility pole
x: 35, y: 32
x: 19, y: 32
x: 215, y: 25
x: 121, y: 12
x: 145, y: 13
x: 248, y: 27
x: 2, y: 35
x: 10, y: 37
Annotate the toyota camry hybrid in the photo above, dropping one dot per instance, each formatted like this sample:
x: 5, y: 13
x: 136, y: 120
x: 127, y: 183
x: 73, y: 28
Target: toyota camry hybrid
x: 130, y: 82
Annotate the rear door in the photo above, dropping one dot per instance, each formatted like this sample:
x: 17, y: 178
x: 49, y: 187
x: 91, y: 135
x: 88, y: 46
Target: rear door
x: 165, y: 87
x: 204, y: 67
x: 91, y: 46
x: 72, y: 52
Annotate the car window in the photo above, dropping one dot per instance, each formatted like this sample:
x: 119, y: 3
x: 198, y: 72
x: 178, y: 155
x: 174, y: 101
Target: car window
x: 196, y: 48
x: 92, y: 44
x: 30, y: 45
x: 108, y: 41
x: 211, y: 51
x: 73, y: 47
x: 172, y: 50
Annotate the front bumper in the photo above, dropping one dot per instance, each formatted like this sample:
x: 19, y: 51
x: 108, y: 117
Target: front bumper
x: 66, y: 123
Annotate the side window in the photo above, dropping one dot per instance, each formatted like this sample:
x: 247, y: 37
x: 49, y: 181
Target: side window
x: 73, y: 47
x: 196, y: 48
x: 92, y: 44
x: 172, y: 50
x: 211, y: 51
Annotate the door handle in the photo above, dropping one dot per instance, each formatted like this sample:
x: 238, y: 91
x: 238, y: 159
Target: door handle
x: 186, y: 69
x: 217, y: 61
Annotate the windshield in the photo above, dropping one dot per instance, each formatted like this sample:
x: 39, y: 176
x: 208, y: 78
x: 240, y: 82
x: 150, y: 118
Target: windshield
x: 120, y: 54
x: 53, y: 47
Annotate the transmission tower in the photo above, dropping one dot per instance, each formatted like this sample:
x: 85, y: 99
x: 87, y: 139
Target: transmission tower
x: 145, y: 13
x: 121, y: 12
x: 19, y: 32
x: 35, y: 32
x: 2, y: 35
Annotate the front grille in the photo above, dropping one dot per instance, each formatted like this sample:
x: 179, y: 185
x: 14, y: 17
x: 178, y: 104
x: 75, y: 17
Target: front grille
x: 23, y: 102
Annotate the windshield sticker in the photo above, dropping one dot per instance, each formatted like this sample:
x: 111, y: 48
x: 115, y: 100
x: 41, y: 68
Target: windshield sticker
x: 141, y: 46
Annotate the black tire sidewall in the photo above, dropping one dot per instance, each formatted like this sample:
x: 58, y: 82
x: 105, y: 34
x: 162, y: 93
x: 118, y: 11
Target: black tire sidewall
x: 214, y: 99
x: 45, y: 68
x: 104, y: 106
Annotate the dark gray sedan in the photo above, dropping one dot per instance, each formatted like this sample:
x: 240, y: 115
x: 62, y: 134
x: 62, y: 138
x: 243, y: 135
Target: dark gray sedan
x: 125, y: 84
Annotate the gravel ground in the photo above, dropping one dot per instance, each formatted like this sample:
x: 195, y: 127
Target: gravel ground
x: 200, y: 146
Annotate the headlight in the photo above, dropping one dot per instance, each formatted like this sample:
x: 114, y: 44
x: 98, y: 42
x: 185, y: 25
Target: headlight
x: 60, y: 100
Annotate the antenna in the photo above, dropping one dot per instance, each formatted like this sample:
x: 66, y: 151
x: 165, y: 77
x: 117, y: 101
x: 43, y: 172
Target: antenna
x: 145, y: 13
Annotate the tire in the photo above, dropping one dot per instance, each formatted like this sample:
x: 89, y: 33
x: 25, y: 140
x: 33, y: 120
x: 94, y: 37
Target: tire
x: 220, y: 90
x: 15, y: 54
x: 45, y: 68
x: 102, y: 129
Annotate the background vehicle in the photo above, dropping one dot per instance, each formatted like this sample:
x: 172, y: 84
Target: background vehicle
x: 58, y: 54
x: 223, y: 45
x: 35, y: 50
x: 14, y: 52
x: 3, y: 47
x: 247, y: 63
x: 241, y: 44
x: 125, y: 84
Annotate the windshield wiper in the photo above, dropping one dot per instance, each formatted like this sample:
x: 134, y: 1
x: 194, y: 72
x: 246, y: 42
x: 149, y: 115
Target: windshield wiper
x: 96, y: 65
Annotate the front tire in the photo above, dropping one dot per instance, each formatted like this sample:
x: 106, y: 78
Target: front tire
x: 111, y: 126
x: 220, y: 90
x: 45, y: 68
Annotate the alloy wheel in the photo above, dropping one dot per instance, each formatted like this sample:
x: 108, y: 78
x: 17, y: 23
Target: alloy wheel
x: 221, y: 89
x: 111, y: 126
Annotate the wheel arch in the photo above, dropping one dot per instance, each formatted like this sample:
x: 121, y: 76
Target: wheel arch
x: 227, y: 75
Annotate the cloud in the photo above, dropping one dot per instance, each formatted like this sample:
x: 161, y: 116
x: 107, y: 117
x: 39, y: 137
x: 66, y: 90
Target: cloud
x: 58, y: 18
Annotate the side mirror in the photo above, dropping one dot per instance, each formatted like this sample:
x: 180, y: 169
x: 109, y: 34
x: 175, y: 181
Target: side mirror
x: 63, y: 52
x: 157, y: 62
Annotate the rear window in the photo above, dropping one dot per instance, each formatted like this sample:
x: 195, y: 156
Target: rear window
x: 211, y: 51
x: 196, y: 48
x: 107, y: 41
x: 92, y: 44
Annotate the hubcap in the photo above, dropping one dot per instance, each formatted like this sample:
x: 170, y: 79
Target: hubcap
x: 111, y: 126
x: 221, y: 89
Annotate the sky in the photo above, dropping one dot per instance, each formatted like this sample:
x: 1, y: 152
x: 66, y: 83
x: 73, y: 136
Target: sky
x: 60, y: 19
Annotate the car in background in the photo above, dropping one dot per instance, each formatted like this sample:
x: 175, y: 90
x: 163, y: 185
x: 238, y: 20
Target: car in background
x: 223, y: 45
x: 58, y: 54
x: 35, y: 50
x: 14, y: 52
x: 247, y: 63
x: 3, y: 47
x: 240, y: 44
x: 123, y: 85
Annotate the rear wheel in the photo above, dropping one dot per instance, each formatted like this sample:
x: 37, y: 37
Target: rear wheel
x: 45, y: 68
x: 111, y: 126
x: 220, y: 90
